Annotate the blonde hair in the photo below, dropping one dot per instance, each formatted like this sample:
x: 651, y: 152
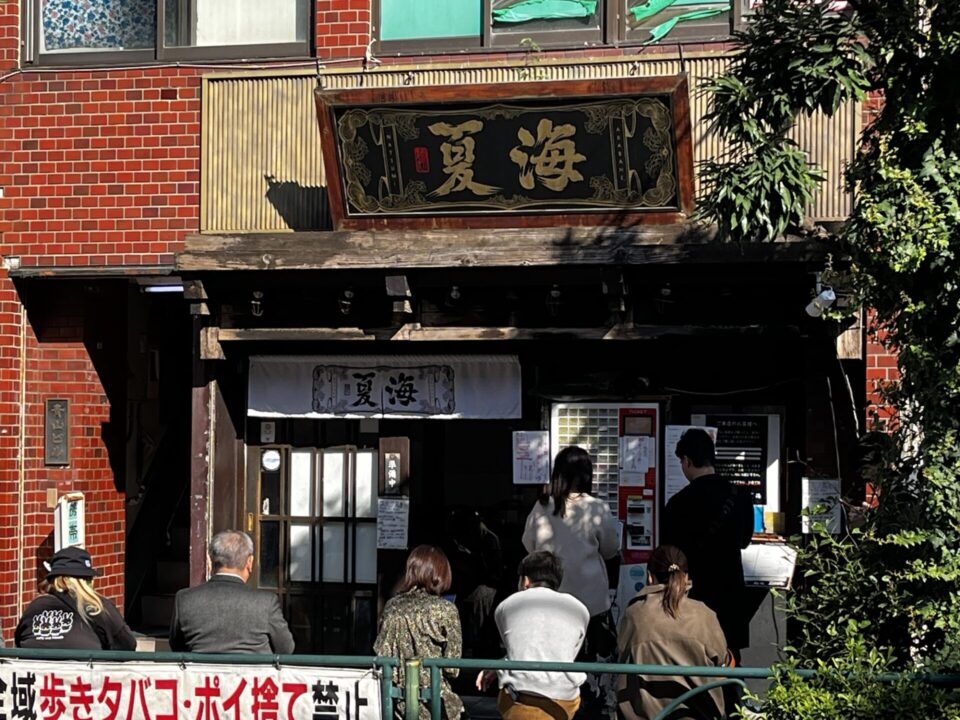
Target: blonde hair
x: 88, y: 601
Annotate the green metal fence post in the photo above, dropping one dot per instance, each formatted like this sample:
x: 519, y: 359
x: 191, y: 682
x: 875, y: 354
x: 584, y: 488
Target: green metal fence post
x: 386, y: 687
x: 411, y: 690
x: 435, y: 692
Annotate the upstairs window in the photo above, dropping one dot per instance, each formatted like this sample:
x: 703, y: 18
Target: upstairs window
x: 105, y: 31
x: 411, y: 26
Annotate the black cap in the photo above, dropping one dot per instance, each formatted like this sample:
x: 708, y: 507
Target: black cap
x: 72, y: 562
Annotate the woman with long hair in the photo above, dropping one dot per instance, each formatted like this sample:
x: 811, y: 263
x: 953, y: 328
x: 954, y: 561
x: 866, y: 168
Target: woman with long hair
x: 662, y: 626
x: 580, y: 530
x: 418, y: 623
x: 70, y: 614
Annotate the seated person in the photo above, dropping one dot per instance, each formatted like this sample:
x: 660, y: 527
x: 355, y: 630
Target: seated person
x: 662, y: 626
x: 539, y: 623
x: 418, y: 623
x: 70, y: 614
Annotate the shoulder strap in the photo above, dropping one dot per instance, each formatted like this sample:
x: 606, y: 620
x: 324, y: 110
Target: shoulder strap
x: 101, y: 632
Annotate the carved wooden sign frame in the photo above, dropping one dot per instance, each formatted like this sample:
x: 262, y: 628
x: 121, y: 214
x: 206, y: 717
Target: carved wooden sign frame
x: 534, y: 154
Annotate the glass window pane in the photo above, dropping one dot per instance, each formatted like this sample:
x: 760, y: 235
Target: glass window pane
x: 526, y: 16
x: 69, y: 25
x: 269, y: 554
x: 300, y: 557
x: 206, y: 23
x: 368, y: 462
x: 333, y: 467
x: 269, y: 493
x: 301, y: 483
x: 366, y: 553
x: 678, y: 19
x: 412, y: 19
x: 334, y: 548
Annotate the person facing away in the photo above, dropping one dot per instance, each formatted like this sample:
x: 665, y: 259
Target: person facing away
x: 580, y: 530
x: 663, y: 626
x: 577, y: 528
x: 224, y: 615
x: 539, y: 623
x: 70, y: 614
x: 711, y: 520
x: 418, y: 623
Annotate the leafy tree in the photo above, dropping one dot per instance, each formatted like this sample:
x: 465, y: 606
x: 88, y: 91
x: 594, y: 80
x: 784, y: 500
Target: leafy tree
x: 886, y: 596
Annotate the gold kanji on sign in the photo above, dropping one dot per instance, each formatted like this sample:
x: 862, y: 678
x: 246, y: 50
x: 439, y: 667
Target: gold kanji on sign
x: 551, y: 156
x: 458, y: 157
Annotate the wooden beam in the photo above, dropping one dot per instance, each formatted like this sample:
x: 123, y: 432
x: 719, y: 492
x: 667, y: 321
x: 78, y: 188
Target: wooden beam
x: 530, y: 247
x: 414, y: 331
x: 210, y: 347
x: 291, y: 334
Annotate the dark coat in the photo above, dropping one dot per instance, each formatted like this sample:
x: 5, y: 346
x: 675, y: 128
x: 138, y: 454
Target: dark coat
x: 225, y: 616
x: 52, y: 621
x: 711, y: 520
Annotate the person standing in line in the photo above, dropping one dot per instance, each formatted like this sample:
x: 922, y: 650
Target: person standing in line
x: 418, y: 623
x: 70, y: 614
x: 539, y: 623
x: 711, y: 520
x: 580, y: 530
x: 663, y: 626
x: 224, y: 615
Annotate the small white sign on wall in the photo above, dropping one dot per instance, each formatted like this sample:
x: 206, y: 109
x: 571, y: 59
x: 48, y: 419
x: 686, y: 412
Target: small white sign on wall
x: 820, y: 499
x: 69, y: 522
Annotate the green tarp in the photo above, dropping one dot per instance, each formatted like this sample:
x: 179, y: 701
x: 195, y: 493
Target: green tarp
x: 527, y: 10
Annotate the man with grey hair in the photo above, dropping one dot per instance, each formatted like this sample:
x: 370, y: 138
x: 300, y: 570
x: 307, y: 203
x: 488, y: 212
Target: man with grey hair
x: 224, y: 615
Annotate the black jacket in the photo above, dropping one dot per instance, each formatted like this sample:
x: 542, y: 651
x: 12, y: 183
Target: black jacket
x: 53, y: 621
x: 711, y: 520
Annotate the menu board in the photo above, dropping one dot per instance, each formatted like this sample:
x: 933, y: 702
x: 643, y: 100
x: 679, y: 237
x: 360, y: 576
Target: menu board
x: 741, y: 448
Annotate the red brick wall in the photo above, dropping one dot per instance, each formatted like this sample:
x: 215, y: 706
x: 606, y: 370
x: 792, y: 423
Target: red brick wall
x: 343, y: 28
x: 52, y: 369
x: 97, y: 168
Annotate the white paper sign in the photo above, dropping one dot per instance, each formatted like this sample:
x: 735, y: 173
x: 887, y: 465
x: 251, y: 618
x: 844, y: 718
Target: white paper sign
x: 638, y: 453
x: 674, y: 479
x: 768, y: 564
x: 824, y: 496
x: 393, y: 519
x: 173, y: 691
x: 531, y: 457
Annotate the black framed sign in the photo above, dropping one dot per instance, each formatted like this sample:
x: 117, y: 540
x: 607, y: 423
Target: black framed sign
x: 567, y: 148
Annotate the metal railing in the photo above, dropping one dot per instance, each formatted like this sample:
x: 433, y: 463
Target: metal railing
x: 725, y: 675
x: 385, y: 665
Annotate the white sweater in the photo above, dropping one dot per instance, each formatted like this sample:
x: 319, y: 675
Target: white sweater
x: 542, y: 624
x: 582, y: 538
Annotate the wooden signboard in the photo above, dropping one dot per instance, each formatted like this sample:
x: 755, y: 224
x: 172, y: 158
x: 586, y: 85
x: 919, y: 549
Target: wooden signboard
x: 600, y: 152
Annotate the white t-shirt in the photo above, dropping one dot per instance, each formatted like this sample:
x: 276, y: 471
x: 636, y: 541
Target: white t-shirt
x: 546, y: 625
x: 582, y: 538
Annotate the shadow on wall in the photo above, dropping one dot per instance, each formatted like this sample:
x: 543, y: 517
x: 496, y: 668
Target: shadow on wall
x: 301, y: 207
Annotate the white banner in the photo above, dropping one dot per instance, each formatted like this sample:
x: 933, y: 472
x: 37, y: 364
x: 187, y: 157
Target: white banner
x: 65, y: 690
x: 385, y: 386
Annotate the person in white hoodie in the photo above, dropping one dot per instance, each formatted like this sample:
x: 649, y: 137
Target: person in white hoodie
x: 541, y: 624
x: 580, y: 530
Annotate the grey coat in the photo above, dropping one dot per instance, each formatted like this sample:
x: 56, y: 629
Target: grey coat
x: 225, y: 616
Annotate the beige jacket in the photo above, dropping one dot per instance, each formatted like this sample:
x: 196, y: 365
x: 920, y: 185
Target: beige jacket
x: 648, y: 636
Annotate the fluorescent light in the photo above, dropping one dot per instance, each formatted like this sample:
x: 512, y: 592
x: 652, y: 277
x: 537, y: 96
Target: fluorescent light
x: 173, y: 288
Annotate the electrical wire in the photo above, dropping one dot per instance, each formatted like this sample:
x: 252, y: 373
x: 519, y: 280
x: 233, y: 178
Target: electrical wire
x: 281, y: 65
x: 681, y: 391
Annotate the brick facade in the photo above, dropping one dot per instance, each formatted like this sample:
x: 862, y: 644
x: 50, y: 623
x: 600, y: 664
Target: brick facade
x: 102, y: 168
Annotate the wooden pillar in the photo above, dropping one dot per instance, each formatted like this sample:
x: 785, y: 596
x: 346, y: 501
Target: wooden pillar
x: 200, y: 451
